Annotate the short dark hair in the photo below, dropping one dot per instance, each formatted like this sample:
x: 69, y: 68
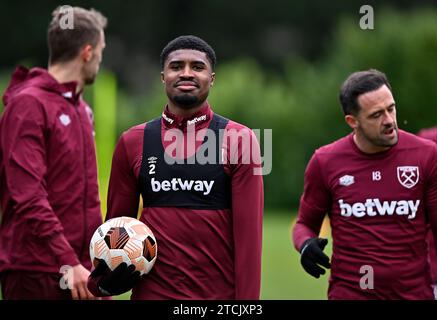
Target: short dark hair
x: 64, y: 44
x: 188, y: 42
x: 357, y: 84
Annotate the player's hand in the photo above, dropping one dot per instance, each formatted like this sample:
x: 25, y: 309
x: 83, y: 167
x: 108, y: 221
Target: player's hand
x: 118, y: 281
x: 312, y: 256
x: 79, y: 288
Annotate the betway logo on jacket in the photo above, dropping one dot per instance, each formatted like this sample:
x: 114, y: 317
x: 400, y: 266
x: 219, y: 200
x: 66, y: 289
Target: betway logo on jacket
x: 195, y: 120
x: 373, y: 207
x: 177, y: 184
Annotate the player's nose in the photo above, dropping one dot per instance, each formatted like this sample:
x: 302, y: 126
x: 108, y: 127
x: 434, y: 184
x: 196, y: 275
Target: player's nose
x: 186, y: 72
x: 388, y: 119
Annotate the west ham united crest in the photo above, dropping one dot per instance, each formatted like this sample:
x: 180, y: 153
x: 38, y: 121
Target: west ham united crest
x: 408, y: 176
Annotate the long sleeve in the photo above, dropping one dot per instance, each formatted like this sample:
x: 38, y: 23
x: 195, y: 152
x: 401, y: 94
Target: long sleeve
x: 123, y: 192
x: 247, y: 212
x: 314, y: 204
x: 24, y: 154
x: 431, y: 196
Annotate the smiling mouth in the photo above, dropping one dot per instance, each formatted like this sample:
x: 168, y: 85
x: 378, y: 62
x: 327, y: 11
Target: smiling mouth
x: 186, y: 83
x: 186, y: 86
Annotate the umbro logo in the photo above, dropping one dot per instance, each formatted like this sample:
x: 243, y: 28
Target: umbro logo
x: 152, y: 159
x: 65, y: 119
x: 346, y: 180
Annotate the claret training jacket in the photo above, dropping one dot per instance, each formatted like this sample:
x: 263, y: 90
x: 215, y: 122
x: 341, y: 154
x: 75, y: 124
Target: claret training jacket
x: 48, y: 175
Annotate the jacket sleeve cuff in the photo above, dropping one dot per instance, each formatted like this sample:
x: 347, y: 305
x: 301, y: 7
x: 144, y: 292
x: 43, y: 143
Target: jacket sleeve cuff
x: 62, y: 250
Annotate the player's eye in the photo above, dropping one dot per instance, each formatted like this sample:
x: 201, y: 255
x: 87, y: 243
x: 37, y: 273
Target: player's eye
x: 198, y: 67
x: 175, y: 66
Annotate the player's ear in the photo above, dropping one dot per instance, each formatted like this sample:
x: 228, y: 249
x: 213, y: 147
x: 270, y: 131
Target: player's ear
x: 86, y: 53
x: 212, y: 79
x: 351, y: 121
x: 162, y: 77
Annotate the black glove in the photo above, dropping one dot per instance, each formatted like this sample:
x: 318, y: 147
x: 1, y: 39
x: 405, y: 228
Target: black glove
x: 115, y: 282
x: 311, y: 256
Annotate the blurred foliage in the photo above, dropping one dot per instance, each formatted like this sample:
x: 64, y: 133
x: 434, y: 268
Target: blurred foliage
x: 105, y: 106
x: 300, y: 103
x: 267, y: 31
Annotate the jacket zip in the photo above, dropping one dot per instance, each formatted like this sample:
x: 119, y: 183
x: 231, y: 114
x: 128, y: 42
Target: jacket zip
x: 85, y: 182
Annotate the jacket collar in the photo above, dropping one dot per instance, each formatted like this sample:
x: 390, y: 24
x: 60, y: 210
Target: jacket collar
x: 200, y: 119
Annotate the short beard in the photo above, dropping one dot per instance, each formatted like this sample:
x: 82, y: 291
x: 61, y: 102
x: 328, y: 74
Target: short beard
x: 186, y: 100
x: 380, y: 142
x: 90, y: 80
